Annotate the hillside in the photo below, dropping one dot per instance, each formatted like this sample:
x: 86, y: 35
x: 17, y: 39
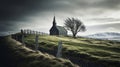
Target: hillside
x: 82, y: 51
x: 14, y: 54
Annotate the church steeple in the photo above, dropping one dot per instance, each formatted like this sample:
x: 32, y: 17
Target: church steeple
x: 54, y: 21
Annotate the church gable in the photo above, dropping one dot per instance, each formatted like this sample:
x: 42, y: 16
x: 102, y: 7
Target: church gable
x: 54, y: 31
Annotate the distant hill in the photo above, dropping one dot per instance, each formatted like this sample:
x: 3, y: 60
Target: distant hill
x: 106, y: 36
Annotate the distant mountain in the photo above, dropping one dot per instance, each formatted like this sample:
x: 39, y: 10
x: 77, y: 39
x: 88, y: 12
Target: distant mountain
x: 106, y: 36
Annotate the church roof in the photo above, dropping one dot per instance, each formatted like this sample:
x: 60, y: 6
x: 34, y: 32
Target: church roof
x: 61, y: 29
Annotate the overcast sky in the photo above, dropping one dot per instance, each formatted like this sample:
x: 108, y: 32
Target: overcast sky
x: 97, y: 15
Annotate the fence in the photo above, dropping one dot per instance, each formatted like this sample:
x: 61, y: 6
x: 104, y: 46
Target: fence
x: 24, y: 33
x: 59, y: 51
x: 28, y: 31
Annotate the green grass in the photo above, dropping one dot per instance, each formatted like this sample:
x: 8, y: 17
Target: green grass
x: 14, y: 54
x: 89, y: 49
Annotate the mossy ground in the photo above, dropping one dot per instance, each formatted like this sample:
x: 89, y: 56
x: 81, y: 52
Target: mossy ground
x: 98, y: 51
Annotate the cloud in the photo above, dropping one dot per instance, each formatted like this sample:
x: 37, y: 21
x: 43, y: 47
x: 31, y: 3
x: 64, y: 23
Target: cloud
x: 106, y: 19
x: 19, y: 9
x: 110, y: 4
x: 16, y: 14
x: 102, y: 28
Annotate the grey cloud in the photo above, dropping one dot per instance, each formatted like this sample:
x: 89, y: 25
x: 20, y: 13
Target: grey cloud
x: 13, y: 12
x: 8, y: 26
x: 111, y: 4
x: 19, y: 9
x: 105, y: 19
x: 15, y: 9
x: 89, y: 4
x: 115, y: 25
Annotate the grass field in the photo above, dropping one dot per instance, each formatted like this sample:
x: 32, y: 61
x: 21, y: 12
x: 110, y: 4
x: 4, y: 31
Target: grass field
x: 83, y: 51
x: 14, y: 54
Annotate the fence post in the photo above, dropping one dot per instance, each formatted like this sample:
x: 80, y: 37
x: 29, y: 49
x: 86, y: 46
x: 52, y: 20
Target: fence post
x: 22, y: 33
x: 59, y: 52
x: 10, y: 35
x: 36, y: 41
x: 30, y: 31
x: 23, y: 39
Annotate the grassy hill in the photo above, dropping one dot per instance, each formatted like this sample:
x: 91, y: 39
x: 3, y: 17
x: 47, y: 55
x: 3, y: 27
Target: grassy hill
x: 82, y: 51
x: 14, y: 54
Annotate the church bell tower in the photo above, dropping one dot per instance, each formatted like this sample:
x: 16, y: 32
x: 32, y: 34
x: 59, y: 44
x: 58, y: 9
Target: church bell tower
x: 54, y: 21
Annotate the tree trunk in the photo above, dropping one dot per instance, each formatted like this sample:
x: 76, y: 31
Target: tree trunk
x: 74, y: 35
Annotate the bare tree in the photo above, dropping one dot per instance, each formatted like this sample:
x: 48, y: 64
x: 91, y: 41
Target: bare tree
x: 74, y: 25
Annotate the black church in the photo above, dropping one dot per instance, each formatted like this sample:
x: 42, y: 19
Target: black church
x: 57, y: 30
